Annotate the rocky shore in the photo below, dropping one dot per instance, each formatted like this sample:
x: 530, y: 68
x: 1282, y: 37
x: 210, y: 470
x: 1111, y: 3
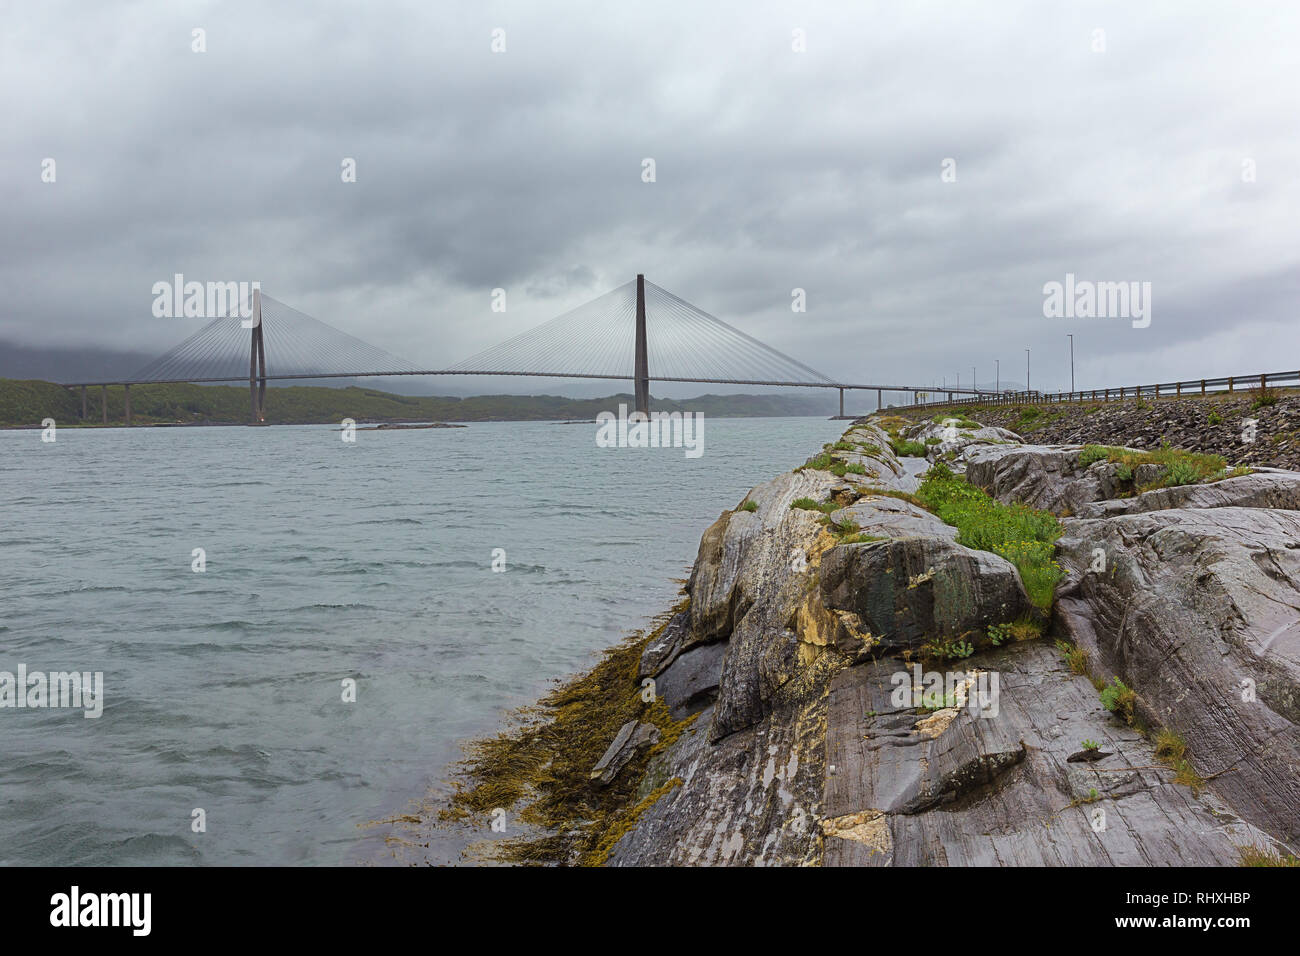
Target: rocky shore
x: 936, y: 644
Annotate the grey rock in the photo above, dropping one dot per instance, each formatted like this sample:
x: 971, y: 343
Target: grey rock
x: 1048, y: 478
x: 885, y: 517
x: 1198, y: 610
x: 664, y: 649
x: 953, y: 441
x: 908, y: 590
x: 749, y: 799
x: 992, y: 787
x: 748, y: 541
x: 631, y: 738
x: 1267, y: 488
x: 690, y: 682
x: 745, y: 587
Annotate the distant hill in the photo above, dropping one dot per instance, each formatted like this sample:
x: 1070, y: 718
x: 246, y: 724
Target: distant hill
x: 27, y: 402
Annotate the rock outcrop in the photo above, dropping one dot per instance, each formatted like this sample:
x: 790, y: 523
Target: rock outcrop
x: 801, y: 655
x: 1198, y: 611
x: 965, y: 787
x: 909, y: 590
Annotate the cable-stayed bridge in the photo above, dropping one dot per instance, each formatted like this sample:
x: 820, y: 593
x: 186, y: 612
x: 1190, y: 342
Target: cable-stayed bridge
x: 638, y: 332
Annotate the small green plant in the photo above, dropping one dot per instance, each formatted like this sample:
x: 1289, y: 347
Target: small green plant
x: 853, y: 468
x: 860, y: 538
x: 1091, y: 745
x: 1170, y: 745
x: 1171, y: 750
x: 1093, y: 453
x: 1119, y: 699
x: 907, y: 449
x: 844, y: 526
x: 934, y: 440
x: 842, y: 445
x: 1076, y: 657
x: 1214, y: 418
x: 938, y: 649
x: 1264, y: 397
x: 807, y: 504
x: 1182, y: 473
x: 1092, y: 797
x: 998, y: 633
x: 749, y: 506
x: 936, y: 700
x: 818, y: 462
x: 1124, y: 472
x: 959, y: 421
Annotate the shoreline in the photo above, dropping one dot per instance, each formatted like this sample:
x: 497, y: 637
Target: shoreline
x: 719, y: 736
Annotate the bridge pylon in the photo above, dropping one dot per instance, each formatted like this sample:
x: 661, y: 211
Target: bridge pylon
x: 257, y: 363
x: 641, y: 363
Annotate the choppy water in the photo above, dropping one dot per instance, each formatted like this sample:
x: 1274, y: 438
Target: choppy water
x: 324, y: 561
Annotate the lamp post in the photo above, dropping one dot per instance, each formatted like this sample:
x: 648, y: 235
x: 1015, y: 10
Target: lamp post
x: 1071, y: 335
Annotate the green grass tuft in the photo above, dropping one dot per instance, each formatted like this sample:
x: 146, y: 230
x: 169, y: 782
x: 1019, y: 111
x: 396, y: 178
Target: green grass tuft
x: 1119, y: 699
x: 907, y: 449
x: 1023, y: 535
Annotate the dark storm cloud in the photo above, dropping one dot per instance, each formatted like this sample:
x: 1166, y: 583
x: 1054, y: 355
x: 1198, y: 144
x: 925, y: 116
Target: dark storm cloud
x: 775, y: 170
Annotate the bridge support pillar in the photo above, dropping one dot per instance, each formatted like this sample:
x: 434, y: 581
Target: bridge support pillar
x: 126, y: 396
x: 841, y: 403
x: 103, y: 402
x: 641, y: 386
x: 257, y: 363
x: 880, y: 400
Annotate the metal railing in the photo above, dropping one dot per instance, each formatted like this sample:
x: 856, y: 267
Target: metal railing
x: 1196, y: 386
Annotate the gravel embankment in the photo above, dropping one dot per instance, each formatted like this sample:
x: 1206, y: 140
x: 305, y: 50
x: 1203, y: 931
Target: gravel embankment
x: 1217, y: 425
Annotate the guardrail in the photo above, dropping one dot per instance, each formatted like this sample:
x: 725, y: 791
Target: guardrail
x: 1195, y: 386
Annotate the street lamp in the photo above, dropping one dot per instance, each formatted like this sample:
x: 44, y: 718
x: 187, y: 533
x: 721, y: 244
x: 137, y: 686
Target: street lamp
x: 1071, y: 335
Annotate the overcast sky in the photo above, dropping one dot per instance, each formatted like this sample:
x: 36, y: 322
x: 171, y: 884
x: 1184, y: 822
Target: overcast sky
x: 775, y: 169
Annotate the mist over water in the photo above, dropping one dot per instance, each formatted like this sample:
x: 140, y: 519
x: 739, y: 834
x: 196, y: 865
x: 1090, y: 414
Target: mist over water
x: 324, y: 561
